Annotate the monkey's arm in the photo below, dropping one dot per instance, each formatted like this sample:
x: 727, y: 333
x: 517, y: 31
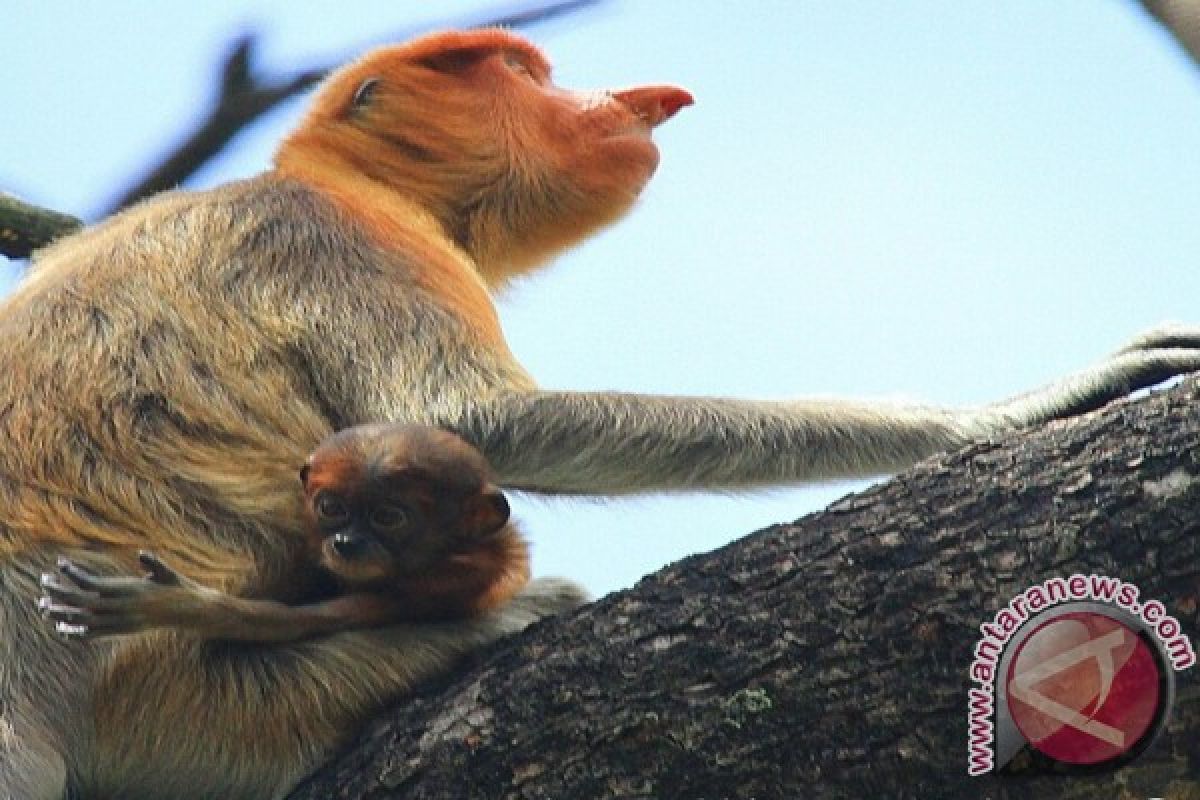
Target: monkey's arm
x: 82, y: 604
x: 609, y: 443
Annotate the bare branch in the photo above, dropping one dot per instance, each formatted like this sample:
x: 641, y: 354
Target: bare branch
x: 25, y: 227
x: 1182, y: 19
x: 243, y: 98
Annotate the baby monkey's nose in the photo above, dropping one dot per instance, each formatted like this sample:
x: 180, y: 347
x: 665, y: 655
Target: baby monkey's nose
x: 349, y: 545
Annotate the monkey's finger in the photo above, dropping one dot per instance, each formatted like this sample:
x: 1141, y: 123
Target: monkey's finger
x: 115, y: 586
x: 61, y: 592
x: 55, y: 587
x: 70, y: 615
x: 159, y: 571
x: 1170, y: 336
x: 71, y: 631
x: 84, y: 622
x: 115, y: 626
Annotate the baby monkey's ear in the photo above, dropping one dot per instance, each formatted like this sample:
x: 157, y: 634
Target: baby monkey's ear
x: 486, y: 512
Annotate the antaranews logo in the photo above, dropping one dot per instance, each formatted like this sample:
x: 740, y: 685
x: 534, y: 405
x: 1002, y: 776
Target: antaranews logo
x: 1078, y: 669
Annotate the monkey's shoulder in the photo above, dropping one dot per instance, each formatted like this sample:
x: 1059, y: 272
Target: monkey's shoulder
x: 266, y: 222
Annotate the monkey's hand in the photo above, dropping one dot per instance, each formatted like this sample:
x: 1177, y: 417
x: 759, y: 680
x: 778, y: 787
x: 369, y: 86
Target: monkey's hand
x: 1159, y: 354
x: 82, y: 604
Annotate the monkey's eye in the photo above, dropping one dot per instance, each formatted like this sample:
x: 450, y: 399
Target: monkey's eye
x: 330, y: 507
x: 388, y: 518
x: 363, y: 94
x: 518, y: 66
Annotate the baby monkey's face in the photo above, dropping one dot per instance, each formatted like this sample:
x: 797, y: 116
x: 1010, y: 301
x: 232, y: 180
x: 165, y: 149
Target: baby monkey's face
x: 387, y: 501
x: 375, y: 540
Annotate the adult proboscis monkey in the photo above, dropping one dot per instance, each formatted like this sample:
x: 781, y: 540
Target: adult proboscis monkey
x: 166, y: 371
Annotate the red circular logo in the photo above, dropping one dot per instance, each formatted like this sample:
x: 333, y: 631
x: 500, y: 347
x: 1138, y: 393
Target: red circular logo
x: 1084, y: 688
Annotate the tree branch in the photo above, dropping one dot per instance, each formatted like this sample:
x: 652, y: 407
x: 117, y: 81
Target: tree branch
x: 828, y: 658
x: 25, y: 227
x: 242, y: 98
x: 1182, y: 19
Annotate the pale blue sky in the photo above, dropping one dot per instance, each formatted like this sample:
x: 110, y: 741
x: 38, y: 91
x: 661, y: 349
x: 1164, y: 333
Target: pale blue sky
x: 952, y: 201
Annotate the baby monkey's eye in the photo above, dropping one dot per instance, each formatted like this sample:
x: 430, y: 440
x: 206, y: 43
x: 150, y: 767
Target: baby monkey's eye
x: 330, y: 507
x: 389, y: 517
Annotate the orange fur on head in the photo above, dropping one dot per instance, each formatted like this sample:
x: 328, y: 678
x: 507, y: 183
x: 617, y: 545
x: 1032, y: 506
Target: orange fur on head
x: 457, y: 149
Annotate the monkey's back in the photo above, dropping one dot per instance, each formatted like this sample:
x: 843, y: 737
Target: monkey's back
x: 155, y: 394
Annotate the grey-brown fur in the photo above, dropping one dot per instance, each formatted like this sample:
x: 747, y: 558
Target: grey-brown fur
x: 174, y: 406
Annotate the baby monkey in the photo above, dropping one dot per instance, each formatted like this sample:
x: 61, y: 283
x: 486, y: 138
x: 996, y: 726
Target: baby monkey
x: 404, y: 526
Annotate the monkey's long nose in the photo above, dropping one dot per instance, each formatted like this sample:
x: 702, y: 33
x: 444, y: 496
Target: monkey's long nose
x: 655, y: 104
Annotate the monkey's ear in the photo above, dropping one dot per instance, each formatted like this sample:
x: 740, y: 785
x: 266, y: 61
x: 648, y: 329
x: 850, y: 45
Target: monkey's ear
x: 363, y: 95
x: 487, y: 512
x: 304, y: 470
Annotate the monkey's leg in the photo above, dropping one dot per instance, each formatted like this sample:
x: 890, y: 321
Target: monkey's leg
x: 609, y: 443
x: 186, y: 719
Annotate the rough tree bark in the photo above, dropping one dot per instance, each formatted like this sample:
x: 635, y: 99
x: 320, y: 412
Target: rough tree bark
x: 827, y: 658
